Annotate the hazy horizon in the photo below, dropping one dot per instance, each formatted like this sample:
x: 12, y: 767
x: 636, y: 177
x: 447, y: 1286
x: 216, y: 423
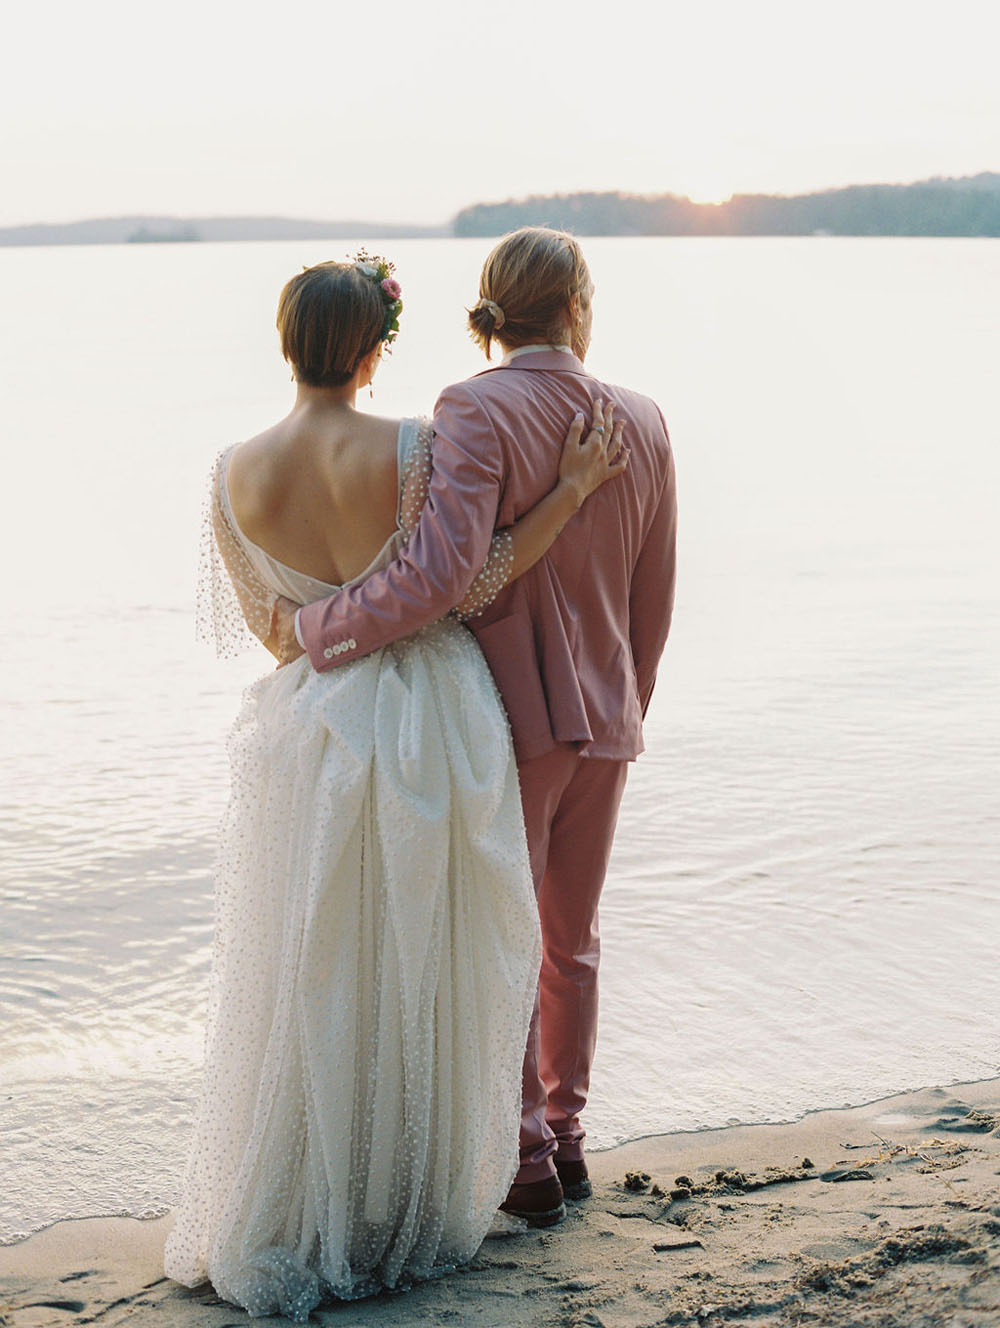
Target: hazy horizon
x: 201, y: 111
x: 399, y: 220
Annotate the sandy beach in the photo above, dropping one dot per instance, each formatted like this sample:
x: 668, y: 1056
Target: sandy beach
x: 885, y: 1215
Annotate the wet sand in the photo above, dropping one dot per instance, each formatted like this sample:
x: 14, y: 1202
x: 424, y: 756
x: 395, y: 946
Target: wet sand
x: 885, y: 1216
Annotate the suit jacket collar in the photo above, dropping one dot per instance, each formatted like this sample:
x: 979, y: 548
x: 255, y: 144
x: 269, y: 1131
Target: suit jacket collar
x: 544, y: 360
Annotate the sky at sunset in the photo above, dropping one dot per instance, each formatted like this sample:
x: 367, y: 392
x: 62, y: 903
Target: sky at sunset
x: 407, y: 112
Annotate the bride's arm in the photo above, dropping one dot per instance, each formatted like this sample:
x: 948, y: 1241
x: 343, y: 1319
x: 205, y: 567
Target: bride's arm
x: 257, y: 602
x: 584, y: 466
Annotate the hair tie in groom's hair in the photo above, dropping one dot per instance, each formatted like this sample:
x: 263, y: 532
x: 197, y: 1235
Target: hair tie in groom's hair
x: 495, y: 310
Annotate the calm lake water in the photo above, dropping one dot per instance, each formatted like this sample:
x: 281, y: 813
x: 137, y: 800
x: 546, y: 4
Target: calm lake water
x: 802, y: 907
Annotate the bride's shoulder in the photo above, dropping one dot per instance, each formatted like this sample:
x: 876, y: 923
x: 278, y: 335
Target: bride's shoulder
x: 410, y: 423
x: 383, y: 426
x: 255, y: 457
x: 416, y: 433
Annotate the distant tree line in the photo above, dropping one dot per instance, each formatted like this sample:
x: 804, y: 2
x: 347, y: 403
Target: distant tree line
x: 969, y: 206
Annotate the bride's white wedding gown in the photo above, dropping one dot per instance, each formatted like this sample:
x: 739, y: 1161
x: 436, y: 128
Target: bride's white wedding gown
x: 375, y: 961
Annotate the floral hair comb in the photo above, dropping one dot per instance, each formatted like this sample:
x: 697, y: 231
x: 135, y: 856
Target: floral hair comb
x: 380, y: 269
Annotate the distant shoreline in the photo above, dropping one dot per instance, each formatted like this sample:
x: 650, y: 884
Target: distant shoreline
x: 966, y: 207
x: 193, y: 230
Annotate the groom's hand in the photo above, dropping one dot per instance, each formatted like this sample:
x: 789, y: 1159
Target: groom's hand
x: 282, y: 641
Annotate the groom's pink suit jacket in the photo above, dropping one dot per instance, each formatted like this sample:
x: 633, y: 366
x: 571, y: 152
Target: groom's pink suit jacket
x: 574, y: 643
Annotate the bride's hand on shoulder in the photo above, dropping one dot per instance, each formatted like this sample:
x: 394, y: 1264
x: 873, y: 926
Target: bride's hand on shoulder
x: 588, y: 462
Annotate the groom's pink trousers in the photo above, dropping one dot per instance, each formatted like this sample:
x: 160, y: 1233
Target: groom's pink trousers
x: 570, y: 811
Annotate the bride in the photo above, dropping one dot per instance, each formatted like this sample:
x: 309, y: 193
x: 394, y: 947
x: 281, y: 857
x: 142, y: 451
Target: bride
x: 376, y: 948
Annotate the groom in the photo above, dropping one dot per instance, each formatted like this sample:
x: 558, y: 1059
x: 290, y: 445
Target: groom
x: 573, y: 644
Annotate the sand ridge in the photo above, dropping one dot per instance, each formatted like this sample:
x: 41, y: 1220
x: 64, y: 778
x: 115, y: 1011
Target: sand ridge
x: 884, y: 1216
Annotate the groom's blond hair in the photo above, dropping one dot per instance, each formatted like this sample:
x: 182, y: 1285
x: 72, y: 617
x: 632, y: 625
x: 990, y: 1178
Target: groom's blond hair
x: 530, y: 277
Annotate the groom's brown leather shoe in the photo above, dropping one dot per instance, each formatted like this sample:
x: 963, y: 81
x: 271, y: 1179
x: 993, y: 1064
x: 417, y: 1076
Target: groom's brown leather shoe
x: 539, y: 1202
x: 574, y: 1179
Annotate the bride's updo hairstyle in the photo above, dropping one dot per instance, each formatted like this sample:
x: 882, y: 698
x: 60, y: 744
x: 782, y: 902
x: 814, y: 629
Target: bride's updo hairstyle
x: 329, y: 318
x: 525, y: 288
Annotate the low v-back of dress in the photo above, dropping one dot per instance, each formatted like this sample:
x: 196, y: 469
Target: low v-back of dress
x: 300, y: 586
x: 375, y: 963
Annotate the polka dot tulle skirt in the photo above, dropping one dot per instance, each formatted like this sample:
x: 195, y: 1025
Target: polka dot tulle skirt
x: 375, y: 962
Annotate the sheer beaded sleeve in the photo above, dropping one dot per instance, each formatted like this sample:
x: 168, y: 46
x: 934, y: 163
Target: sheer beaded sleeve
x: 492, y: 578
x: 414, y: 481
x: 234, y: 606
x: 414, y: 472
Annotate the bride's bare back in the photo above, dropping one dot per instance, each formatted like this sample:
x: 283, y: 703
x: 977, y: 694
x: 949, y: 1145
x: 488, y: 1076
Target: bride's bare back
x: 318, y: 491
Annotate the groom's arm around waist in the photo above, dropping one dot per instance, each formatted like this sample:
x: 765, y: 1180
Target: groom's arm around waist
x: 440, y: 560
